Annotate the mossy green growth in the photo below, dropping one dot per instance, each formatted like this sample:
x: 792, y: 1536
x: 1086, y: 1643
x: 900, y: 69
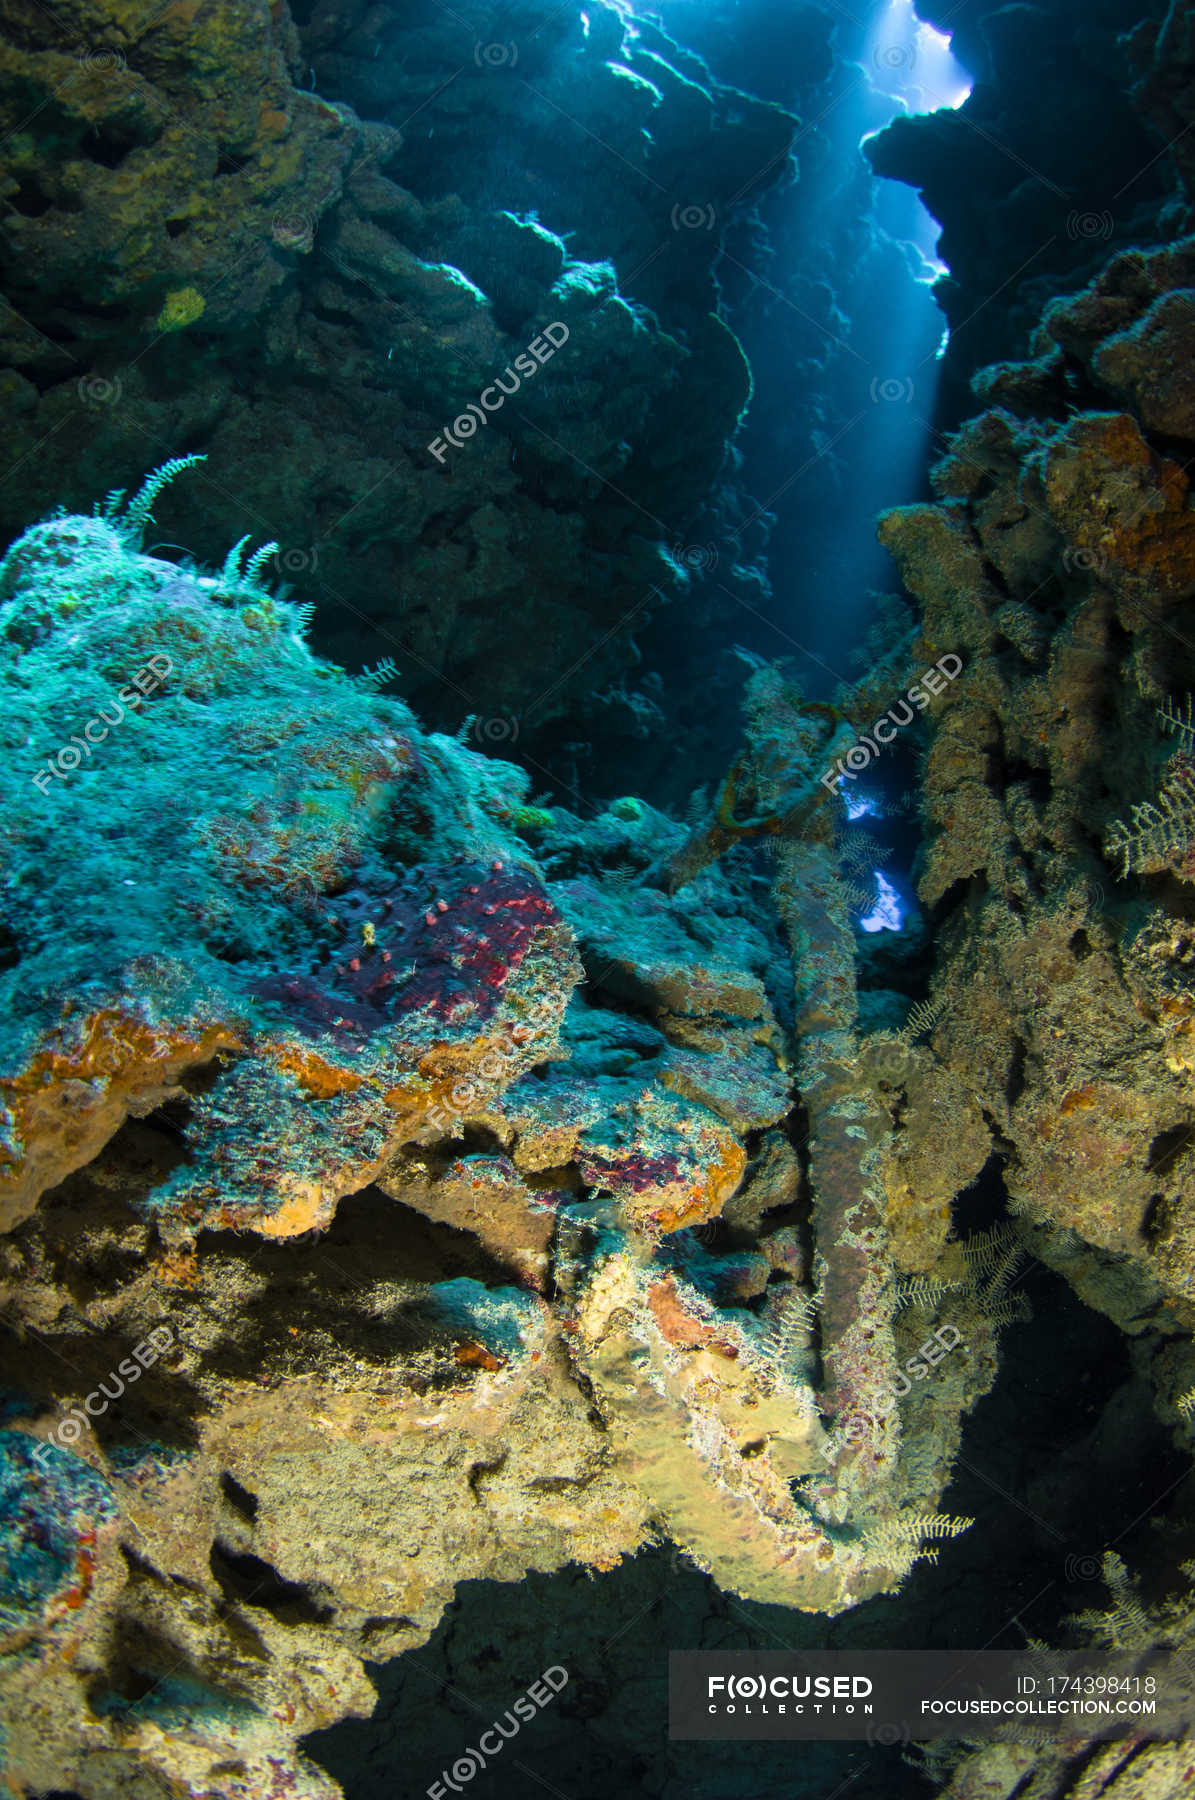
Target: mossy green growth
x: 627, y: 807
x: 532, y: 818
x: 181, y: 307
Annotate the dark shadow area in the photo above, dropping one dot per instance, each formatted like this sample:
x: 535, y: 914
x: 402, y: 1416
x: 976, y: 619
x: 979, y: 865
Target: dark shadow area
x: 253, y: 1582
x: 1061, y: 1461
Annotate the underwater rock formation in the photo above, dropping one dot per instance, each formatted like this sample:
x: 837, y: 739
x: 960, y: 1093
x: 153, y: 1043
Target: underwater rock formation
x: 408, y: 1182
x: 1026, y: 208
x: 1057, y: 564
x: 431, y: 1206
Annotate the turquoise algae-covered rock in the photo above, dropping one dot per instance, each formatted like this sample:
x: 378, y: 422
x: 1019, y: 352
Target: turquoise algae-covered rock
x: 215, y: 844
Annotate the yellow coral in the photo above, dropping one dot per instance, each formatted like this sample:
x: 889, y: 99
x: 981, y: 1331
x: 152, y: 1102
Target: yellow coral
x: 531, y: 818
x: 181, y: 307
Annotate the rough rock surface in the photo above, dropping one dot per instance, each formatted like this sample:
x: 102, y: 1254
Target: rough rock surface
x: 305, y: 243
x: 1027, y: 209
x: 1057, y: 562
x: 355, y: 1151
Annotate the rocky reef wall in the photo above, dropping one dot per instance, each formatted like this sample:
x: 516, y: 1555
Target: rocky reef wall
x: 1056, y: 564
x: 1072, y: 143
x: 407, y: 1182
x: 306, y: 244
x: 374, y: 1127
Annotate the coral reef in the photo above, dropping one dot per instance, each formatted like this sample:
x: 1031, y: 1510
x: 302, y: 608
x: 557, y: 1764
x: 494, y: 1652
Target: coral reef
x: 411, y: 1182
x: 1057, y: 563
x: 406, y: 1151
